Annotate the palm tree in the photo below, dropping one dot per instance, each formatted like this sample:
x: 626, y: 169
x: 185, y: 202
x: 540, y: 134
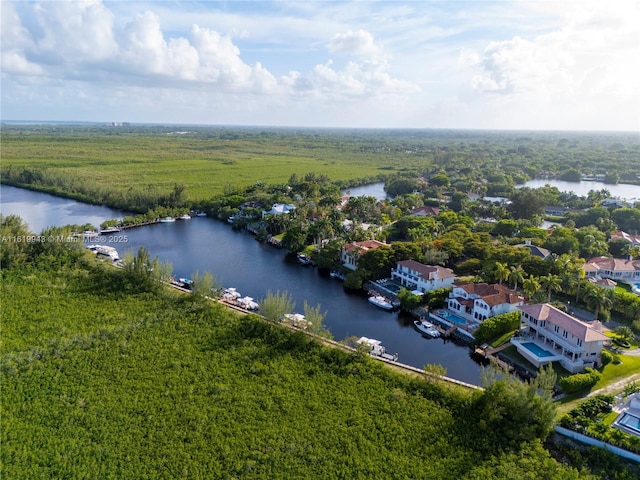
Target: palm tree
x: 598, y: 298
x: 530, y: 286
x: 501, y: 271
x: 516, y: 276
x: 551, y: 282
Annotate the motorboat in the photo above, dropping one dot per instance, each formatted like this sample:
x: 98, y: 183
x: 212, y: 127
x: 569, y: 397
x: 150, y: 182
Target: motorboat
x: 247, y: 303
x: 376, y: 348
x: 296, y: 319
x: 109, y: 230
x: 107, y: 251
x: 303, y: 259
x: 426, y: 328
x: 167, y: 220
x: 186, y: 216
x: 381, y: 302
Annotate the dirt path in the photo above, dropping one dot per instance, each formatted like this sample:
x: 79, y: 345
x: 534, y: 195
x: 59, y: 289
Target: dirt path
x: 617, y: 386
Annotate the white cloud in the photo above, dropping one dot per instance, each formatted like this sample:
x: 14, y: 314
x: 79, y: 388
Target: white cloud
x: 354, y: 43
x: 75, y: 31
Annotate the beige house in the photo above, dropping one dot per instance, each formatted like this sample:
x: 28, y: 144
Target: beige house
x: 550, y: 335
x: 352, y: 251
x: 421, y: 278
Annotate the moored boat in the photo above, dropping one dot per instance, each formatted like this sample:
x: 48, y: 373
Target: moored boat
x: 303, y: 259
x: 296, y: 319
x: 376, y: 348
x: 106, y: 230
x: 381, y: 302
x: 107, y: 251
x: 186, y: 216
x: 426, y: 328
x: 167, y: 220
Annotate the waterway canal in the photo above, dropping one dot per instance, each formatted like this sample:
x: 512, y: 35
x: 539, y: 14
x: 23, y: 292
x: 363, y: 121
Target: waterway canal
x: 238, y: 260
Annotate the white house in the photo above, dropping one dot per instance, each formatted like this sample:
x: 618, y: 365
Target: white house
x: 279, y: 209
x: 613, y: 268
x: 550, y: 335
x: 421, y: 278
x: 479, y: 301
x: 352, y: 251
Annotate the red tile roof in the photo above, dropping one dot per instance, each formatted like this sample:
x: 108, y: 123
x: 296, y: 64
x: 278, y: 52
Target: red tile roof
x: 363, y: 246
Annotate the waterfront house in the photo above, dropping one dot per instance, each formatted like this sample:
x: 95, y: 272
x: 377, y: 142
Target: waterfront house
x: 479, y: 301
x: 352, y: 251
x: 421, y: 278
x: 613, y: 268
x: 549, y: 335
x: 279, y: 209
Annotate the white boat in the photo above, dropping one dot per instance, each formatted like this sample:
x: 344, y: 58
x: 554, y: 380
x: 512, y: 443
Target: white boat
x: 296, y: 319
x: 107, y: 251
x: 337, y: 275
x: 109, y: 230
x: 167, y: 220
x: 201, y: 214
x: 303, y: 259
x: 376, y: 348
x: 231, y: 294
x: 426, y: 328
x: 86, y: 234
x: 380, y: 301
x: 186, y: 216
x: 186, y: 283
x: 248, y: 303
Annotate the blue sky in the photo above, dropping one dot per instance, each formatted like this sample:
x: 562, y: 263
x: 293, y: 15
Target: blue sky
x: 571, y: 65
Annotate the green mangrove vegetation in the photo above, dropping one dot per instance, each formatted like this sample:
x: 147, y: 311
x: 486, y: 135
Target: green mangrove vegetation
x: 106, y: 373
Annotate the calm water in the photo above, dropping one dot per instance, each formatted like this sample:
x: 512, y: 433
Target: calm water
x: 625, y: 191
x: 236, y: 259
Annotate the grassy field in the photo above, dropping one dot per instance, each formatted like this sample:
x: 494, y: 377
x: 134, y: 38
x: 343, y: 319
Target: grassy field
x: 206, y: 163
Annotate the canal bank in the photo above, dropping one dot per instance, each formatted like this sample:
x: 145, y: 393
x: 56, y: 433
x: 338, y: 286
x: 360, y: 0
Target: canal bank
x: 237, y: 260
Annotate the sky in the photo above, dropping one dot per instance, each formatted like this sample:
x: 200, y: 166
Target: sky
x: 523, y: 65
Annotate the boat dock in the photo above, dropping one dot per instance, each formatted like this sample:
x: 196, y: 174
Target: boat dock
x: 487, y: 353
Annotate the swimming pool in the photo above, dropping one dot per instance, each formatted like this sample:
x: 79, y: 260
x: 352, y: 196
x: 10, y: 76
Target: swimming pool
x: 630, y: 421
x: 451, y: 317
x: 536, y: 350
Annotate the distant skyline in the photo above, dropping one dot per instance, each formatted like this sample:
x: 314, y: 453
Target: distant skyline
x: 532, y: 65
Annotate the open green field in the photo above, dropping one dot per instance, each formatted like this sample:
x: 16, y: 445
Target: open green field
x: 206, y: 161
x: 98, y: 383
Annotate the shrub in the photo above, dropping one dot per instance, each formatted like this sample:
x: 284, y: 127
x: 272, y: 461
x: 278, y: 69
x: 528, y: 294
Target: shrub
x: 496, y: 326
x: 580, y: 381
x: 606, y: 357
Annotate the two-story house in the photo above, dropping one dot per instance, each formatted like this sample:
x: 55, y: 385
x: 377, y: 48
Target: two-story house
x: 550, y: 335
x: 421, y: 278
x: 479, y: 301
x: 352, y: 251
x: 614, y: 268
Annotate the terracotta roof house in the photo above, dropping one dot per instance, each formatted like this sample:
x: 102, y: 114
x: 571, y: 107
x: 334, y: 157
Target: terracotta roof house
x: 632, y: 239
x: 421, y: 278
x: 352, y: 251
x: 479, y: 301
x: 613, y: 268
x: 426, y: 211
x: 551, y: 335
